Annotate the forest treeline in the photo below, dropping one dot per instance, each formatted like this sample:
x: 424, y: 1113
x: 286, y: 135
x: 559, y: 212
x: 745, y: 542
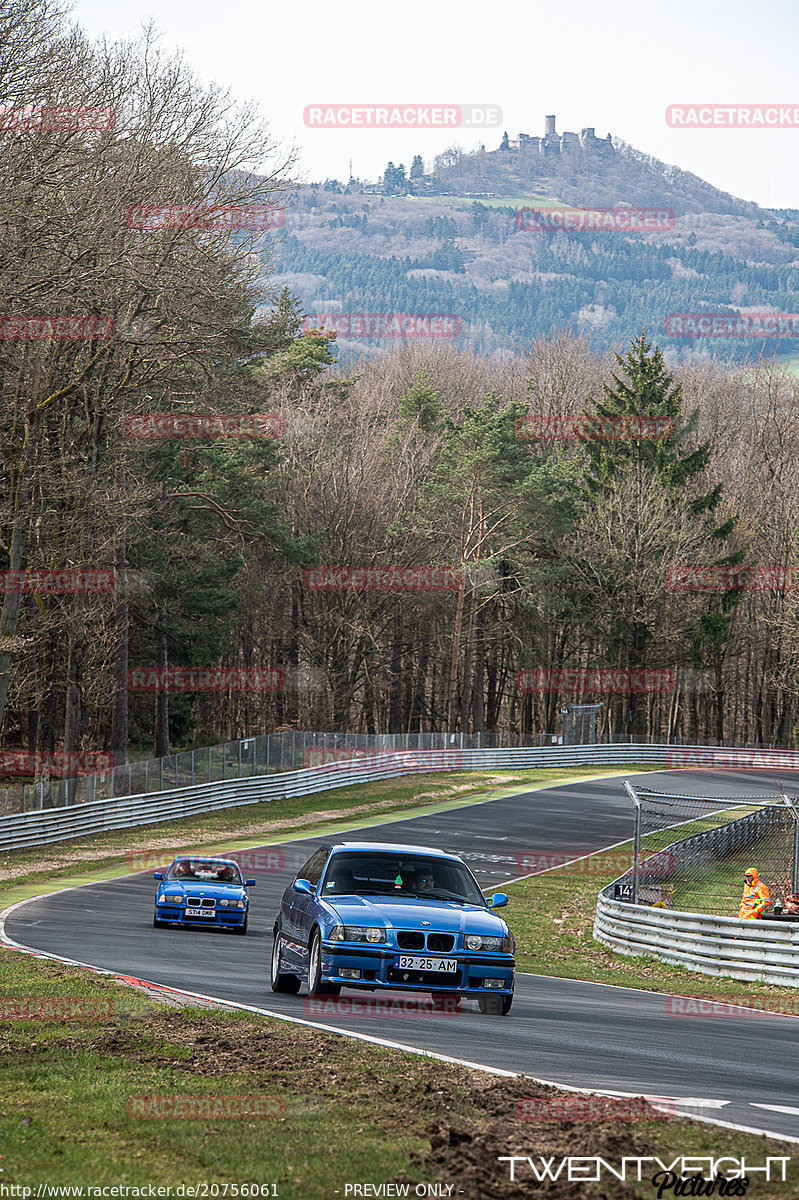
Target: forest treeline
x: 354, y: 253
x: 554, y: 554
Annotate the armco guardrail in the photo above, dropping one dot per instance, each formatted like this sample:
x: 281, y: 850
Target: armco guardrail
x: 56, y: 825
x: 753, y: 950
x: 709, y: 944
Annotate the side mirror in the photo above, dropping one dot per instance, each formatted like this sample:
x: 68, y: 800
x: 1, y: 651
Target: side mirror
x: 498, y: 900
x: 302, y: 885
x: 158, y: 875
x: 249, y: 883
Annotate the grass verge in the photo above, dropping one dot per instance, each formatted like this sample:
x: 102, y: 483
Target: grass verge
x: 72, y: 1091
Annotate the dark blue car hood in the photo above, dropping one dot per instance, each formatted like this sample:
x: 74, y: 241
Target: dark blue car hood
x: 405, y: 912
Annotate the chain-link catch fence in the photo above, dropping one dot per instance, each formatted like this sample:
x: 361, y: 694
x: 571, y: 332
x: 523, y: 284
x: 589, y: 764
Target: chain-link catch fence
x: 691, y: 852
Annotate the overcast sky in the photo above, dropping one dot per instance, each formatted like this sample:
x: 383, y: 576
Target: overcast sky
x: 616, y: 66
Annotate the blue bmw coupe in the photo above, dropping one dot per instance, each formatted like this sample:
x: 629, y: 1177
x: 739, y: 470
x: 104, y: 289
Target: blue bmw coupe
x: 202, y: 891
x: 373, y: 916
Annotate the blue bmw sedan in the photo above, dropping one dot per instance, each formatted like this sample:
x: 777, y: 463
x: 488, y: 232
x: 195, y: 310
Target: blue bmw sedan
x: 202, y: 891
x: 373, y: 916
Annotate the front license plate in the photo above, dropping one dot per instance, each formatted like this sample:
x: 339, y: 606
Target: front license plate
x: 201, y: 912
x: 408, y: 962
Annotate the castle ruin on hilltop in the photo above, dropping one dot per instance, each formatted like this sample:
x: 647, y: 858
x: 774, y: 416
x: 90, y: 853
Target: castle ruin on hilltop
x: 557, y: 143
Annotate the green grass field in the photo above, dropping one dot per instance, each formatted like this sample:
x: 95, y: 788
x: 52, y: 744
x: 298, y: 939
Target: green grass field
x: 319, y: 1111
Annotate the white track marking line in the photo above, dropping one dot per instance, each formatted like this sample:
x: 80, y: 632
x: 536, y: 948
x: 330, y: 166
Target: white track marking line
x: 365, y: 1037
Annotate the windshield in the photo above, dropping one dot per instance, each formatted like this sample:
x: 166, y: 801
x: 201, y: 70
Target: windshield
x: 366, y: 873
x: 204, y: 870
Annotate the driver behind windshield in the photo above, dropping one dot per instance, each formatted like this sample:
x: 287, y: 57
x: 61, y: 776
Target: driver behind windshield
x: 423, y: 880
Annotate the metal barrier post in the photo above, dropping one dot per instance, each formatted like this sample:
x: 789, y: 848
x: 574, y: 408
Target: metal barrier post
x: 637, y: 841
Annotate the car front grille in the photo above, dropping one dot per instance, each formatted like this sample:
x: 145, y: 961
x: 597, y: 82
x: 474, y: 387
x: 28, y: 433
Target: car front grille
x: 199, y: 902
x: 411, y: 939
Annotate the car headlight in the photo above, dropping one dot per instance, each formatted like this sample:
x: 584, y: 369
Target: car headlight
x: 364, y: 933
x: 474, y: 941
x: 224, y: 903
x: 336, y: 934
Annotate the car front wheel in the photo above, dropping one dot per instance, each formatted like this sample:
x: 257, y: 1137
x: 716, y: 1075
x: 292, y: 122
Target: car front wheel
x: 241, y: 929
x: 316, y: 985
x: 496, y: 1006
x: 282, y: 982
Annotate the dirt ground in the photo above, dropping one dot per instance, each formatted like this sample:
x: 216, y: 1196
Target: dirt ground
x: 468, y: 1117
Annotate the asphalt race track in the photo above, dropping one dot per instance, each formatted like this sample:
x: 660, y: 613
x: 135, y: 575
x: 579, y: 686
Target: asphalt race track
x: 739, y: 1070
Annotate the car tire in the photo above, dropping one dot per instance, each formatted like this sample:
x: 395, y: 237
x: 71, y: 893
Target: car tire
x: 241, y: 929
x: 282, y: 982
x: 316, y: 985
x: 156, y: 923
x: 495, y: 1006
